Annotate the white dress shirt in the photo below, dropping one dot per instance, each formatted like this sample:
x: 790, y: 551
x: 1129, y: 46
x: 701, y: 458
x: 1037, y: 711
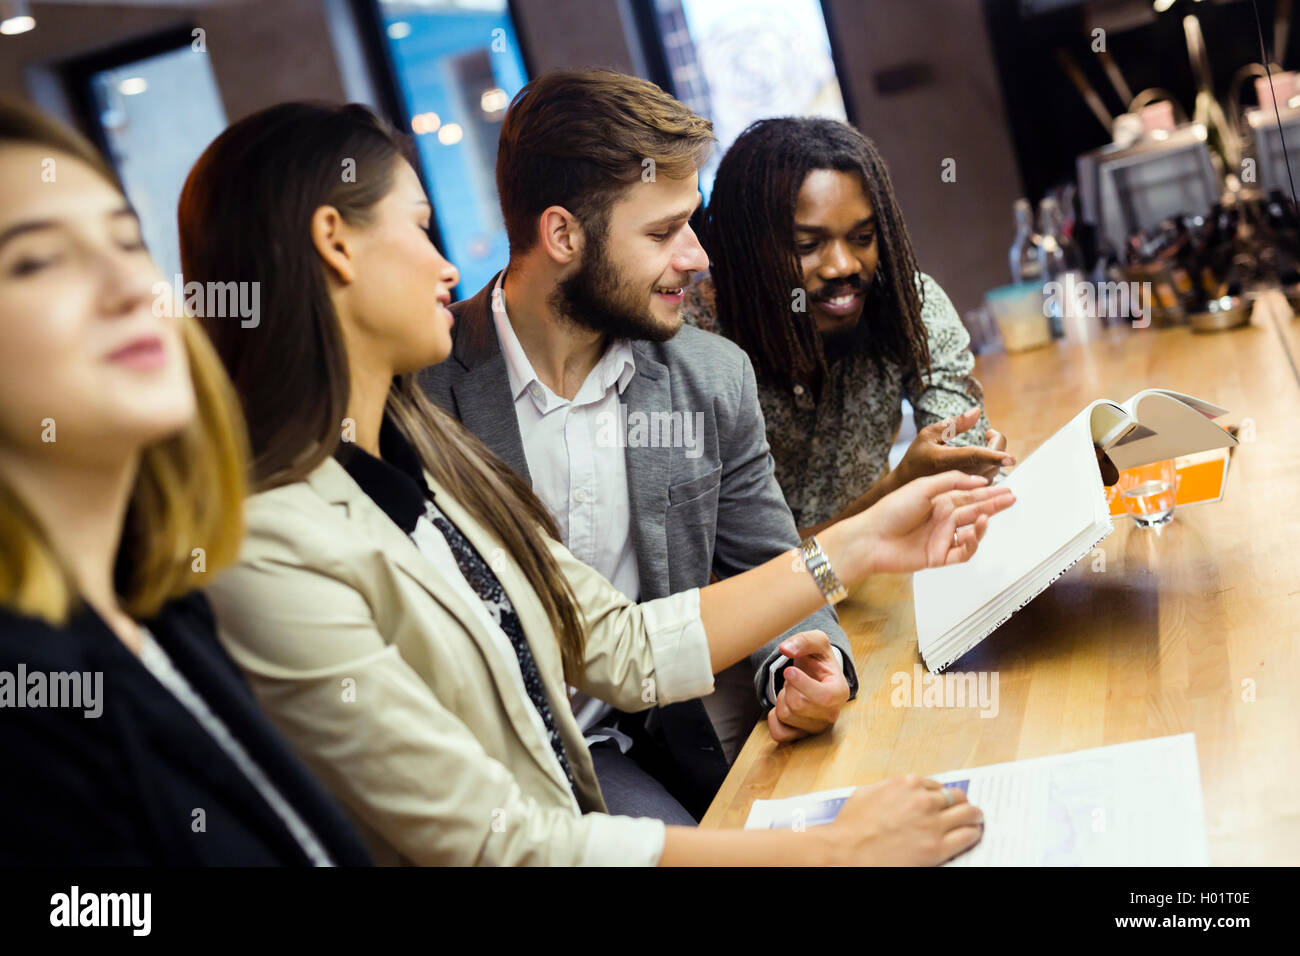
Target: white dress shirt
x: 582, y: 484
x: 576, y: 471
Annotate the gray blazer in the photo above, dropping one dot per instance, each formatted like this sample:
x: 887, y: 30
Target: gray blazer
x: 720, y: 510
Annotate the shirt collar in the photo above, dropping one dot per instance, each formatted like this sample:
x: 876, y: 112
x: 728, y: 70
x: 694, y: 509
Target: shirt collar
x: 616, y: 366
x: 395, y: 482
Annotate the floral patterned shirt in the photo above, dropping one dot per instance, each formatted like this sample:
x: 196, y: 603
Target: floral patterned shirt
x: 828, y: 453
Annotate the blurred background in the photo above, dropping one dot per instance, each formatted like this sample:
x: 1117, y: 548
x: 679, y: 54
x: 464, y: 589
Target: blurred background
x: 1150, y: 128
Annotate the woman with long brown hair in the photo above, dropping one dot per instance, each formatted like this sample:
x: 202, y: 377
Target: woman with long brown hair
x: 126, y: 732
x: 402, y: 606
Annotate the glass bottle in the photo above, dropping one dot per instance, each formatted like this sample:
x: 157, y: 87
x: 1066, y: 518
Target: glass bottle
x: 1025, y: 263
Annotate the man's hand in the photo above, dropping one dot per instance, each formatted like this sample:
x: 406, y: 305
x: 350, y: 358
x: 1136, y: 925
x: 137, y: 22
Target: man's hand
x: 929, y: 454
x: 815, y: 688
x: 995, y: 439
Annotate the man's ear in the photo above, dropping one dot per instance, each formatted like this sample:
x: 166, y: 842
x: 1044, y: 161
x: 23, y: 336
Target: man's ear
x: 330, y: 236
x: 560, y: 235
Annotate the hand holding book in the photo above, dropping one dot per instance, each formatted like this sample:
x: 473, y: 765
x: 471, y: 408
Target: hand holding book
x: 930, y: 453
x: 1109, y: 473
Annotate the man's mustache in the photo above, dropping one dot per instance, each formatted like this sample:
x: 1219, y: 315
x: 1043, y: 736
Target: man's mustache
x: 849, y: 286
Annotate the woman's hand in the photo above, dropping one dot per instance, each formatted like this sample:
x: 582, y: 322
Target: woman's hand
x: 927, y: 523
x: 904, y: 821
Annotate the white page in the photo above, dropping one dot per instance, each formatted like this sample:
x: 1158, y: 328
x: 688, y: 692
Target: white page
x: 1208, y: 409
x: 1179, y: 428
x: 1056, y: 489
x: 1133, y: 804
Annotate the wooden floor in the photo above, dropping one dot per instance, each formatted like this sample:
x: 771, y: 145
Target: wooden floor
x: 1197, y: 629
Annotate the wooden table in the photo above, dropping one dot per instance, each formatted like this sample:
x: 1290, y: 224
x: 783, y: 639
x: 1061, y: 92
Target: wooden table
x: 1173, y: 636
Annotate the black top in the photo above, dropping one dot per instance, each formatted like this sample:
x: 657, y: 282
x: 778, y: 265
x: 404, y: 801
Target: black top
x: 124, y: 788
x: 394, y: 482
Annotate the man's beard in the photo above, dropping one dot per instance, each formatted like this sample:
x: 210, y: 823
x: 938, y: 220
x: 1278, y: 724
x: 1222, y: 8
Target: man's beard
x: 596, y: 297
x: 838, y: 345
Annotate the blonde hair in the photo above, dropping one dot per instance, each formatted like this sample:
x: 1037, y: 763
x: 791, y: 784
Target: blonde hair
x: 185, y: 517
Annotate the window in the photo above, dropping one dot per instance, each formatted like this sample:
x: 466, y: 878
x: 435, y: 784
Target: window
x: 154, y: 107
x: 737, y: 61
x: 457, y: 64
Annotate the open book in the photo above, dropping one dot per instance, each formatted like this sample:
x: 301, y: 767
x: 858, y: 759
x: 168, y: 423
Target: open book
x: 1060, y: 515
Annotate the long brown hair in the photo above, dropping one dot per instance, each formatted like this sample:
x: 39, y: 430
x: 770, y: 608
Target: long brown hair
x: 245, y: 216
x: 188, y: 497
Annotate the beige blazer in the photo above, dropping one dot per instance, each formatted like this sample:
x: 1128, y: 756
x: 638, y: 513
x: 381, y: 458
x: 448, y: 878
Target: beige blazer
x: 393, y: 692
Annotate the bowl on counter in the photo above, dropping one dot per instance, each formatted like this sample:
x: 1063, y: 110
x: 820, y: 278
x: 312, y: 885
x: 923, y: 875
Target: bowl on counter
x: 1219, y: 315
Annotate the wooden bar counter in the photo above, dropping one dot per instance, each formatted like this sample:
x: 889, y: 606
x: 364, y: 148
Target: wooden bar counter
x: 1195, y: 629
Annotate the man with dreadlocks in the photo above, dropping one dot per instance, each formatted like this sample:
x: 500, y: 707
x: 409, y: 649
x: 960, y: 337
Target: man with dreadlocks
x: 814, y: 276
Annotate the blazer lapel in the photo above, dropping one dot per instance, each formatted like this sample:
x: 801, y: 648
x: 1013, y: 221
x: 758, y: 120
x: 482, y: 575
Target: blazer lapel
x: 487, y: 409
x: 649, y: 470
x: 151, y: 718
x: 483, y: 398
x: 332, y: 481
x: 533, y: 622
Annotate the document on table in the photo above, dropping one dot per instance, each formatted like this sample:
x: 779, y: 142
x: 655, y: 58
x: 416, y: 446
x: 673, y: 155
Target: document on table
x: 1134, y: 804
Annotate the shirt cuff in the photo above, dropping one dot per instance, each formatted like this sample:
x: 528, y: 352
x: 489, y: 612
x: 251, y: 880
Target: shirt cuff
x: 778, y: 664
x: 679, y: 646
x: 623, y: 841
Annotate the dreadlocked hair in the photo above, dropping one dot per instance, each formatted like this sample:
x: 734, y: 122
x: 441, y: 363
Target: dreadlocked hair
x: 749, y: 235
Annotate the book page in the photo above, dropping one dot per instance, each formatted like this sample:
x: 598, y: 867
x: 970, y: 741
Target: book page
x: 1132, y: 804
x: 1108, y: 422
x: 1176, y: 428
x: 1058, y: 494
x: 1200, y: 405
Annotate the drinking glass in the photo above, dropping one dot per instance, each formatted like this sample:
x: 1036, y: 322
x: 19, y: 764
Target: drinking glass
x: 1148, y: 493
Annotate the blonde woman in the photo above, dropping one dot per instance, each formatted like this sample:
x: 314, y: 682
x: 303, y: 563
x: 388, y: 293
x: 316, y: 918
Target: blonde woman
x: 402, y: 606
x: 127, y: 734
